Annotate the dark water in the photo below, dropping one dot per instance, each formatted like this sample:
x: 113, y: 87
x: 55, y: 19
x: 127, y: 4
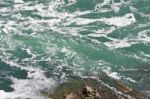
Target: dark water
x: 42, y: 42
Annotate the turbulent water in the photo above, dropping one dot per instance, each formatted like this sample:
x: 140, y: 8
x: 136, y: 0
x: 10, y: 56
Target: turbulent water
x: 42, y: 42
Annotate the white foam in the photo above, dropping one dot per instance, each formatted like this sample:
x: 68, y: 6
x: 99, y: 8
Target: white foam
x: 114, y: 6
x: 83, y: 21
x: 116, y: 75
x: 123, y: 21
x: 31, y: 87
x: 145, y: 55
x: 143, y: 36
x: 102, y: 4
x: 18, y: 1
x: 9, y: 27
x: 102, y: 32
x: 130, y: 79
x: 4, y: 10
x: 108, y: 71
x: 119, y: 43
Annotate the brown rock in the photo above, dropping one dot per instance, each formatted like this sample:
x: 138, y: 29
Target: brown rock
x: 88, y: 88
x: 71, y: 96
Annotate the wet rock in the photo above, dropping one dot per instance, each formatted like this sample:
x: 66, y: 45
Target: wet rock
x: 69, y: 90
x: 122, y: 87
x: 96, y: 90
x: 88, y: 88
x: 71, y: 96
x: 82, y: 89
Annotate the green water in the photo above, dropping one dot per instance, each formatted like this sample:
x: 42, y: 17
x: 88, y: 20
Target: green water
x: 43, y: 42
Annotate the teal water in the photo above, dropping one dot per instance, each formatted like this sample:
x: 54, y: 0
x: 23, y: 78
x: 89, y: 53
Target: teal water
x: 43, y: 42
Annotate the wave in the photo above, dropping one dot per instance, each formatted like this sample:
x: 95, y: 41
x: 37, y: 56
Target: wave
x: 72, y: 37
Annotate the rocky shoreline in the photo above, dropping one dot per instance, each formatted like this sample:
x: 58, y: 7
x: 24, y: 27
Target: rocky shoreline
x: 90, y: 88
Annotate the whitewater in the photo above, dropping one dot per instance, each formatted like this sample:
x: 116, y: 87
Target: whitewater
x: 44, y: 42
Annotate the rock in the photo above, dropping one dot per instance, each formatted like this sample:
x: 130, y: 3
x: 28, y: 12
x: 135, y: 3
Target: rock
x: 71, y: 96
x: 122, y: 87
x: 98, y: 90
x: 97, y: 95
x: 69, y: 90
x: 82, y: 89
x: 88, y: 88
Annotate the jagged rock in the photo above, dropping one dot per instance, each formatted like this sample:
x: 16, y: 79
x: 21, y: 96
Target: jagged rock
x: 82, y: 89
x: 71, y: 96
x: 88, y: 88
x: 69, y: 90
x: 122, y: 87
